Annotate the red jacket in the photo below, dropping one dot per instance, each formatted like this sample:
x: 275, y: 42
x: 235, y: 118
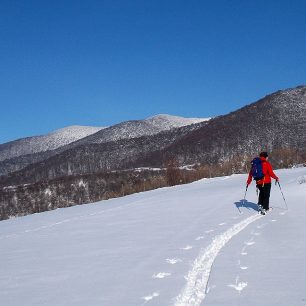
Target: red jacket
x: 267, y: 171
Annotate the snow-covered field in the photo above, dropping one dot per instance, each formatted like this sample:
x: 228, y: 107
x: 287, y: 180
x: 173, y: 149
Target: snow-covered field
x: 195, y: 244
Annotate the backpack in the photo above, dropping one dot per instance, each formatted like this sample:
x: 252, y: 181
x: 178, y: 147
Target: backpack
x: 256, y: 170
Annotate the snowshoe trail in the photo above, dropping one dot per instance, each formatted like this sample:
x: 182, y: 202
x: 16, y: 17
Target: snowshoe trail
x: 195, y: 289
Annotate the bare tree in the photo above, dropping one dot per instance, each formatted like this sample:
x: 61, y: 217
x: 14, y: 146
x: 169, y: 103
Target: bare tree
x: 173, y: 172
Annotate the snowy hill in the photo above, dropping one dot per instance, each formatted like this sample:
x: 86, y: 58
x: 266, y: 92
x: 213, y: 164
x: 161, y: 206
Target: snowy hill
x: 195, y: 244
x: 51, y: 141
x: 137, y: 128
x: 18, y: 154
x: 228, y: 142
x: 275, y: 122
x: 167, y: 122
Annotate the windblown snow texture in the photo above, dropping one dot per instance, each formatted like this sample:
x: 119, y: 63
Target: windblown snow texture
x: 195, y: 244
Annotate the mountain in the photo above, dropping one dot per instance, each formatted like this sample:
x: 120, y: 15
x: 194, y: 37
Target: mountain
x: 18, y: 154
x: 91, y: 158
x: 51, y: 141
x: 104, y: 164
x: 194, y: 244
x: 278, y: 121
x: 137, y: 128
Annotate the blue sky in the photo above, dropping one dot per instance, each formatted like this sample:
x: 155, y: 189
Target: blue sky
x: 102, y: 62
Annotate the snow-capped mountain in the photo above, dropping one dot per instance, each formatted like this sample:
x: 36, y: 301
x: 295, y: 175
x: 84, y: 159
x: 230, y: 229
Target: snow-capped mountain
x: 276, y: 123
x: 137, y: 128
x: 89, y: 157
x: 51, y: 141
x: 189, y: 245
x: 167, y: 122
x: 18, y: 154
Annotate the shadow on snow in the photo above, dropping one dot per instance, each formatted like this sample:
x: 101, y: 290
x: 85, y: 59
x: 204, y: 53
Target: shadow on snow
x: 246, y: 204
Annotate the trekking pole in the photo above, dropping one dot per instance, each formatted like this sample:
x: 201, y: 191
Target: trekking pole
x: 244, y: 199
x: 282, y: 193
x: 246, y: 189
x: 257, y: 195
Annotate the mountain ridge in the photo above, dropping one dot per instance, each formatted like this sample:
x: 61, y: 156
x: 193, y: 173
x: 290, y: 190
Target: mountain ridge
x: 276, y: 121
x: 20, y: 153
x: 223, y: 145
x: 41, y: 143
x: 215, y: 141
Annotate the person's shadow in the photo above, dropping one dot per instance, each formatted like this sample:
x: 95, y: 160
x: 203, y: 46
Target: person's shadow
x: 246, y: 204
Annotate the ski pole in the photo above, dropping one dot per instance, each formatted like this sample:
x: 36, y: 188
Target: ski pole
x: 282, y: 193
x: 258, y: 194
x: 246, y: 189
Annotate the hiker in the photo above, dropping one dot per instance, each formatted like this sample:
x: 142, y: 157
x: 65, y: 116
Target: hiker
x: 264, y: 182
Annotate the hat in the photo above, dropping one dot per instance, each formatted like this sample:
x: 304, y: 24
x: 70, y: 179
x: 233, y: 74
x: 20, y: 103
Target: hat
x: 263, y: 154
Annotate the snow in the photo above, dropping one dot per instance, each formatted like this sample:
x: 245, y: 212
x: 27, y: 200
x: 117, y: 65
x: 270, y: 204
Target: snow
x: 89, y: 134
x: 48, y: 192
x: 75, y: 132
x: 184, y: 245
x: 197, y: 279
x: 43, y: 143
x: 166, y: 122
x: 137, y: 128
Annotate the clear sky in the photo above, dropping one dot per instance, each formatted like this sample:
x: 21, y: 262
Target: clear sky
x: 102, y: 62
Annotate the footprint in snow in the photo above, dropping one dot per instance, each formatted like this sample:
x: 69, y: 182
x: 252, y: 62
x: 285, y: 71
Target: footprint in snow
x: 187, y: 247
x: 239, y: 286
x: 243, y: 252
x: 161, y: 275
x: 241, y: 267
x: 149, y: 297
x: 253, y: 233
x: 173, y: 261
x: 250, y: 243
x: 262, y: 226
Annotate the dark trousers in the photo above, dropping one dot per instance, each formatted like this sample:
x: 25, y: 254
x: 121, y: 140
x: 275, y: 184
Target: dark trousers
x: 264, y: 195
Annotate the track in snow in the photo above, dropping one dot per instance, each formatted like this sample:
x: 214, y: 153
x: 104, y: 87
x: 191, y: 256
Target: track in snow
x: 194, y: 291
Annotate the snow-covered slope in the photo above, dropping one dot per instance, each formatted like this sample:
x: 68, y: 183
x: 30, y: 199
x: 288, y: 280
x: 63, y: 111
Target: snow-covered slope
x: 87, y: 134
x: 195, y: 244
x: 137, y: 128
x: 19, y: 154
x: 167, y: 122
x: 43, y: 143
